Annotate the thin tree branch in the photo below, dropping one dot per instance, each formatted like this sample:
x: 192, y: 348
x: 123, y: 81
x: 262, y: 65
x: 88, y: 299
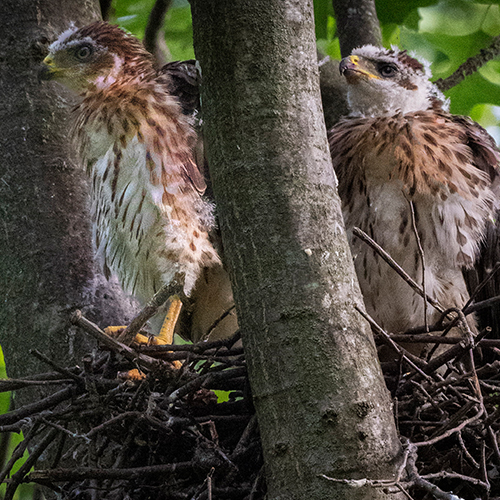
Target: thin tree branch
x: 357, y: 24
x: 152, y: 34
x: 470, y: 66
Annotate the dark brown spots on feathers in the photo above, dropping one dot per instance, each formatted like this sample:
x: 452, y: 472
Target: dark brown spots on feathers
x: 106, y: 172
x: 140, y: 104
x: 153, y: 178
x: 192, y: 246
x: 150, y: 164
x: 430, y: 139
x: 406, y: 147
x: 160, y: 131
x: 462, y: 158
x: 407, y: 84
x: 461, y: 239
x: 116, y: 173
x: 470, y: 222
x: 409, y: 61
x: 124, y: 214
x: 143, y: 197
x: 443, y: 167
x: 464, y: 259
x: 404, y: 224
x: 157, y: 145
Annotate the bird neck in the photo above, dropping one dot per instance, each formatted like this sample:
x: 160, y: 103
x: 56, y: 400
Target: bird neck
x: 372, y: 99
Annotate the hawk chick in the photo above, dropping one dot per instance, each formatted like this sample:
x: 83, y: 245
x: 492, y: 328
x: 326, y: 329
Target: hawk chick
x: 151, y: 220
x: 401, y: 150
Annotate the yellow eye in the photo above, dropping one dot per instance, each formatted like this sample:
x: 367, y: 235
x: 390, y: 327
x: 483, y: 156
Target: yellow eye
x: 83, y: 52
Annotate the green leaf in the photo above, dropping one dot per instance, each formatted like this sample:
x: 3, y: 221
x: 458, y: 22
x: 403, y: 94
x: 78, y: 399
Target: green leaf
x: 459, y: 18
x: 396, y: 11
x: 4, y: 396
x: 323, y: 10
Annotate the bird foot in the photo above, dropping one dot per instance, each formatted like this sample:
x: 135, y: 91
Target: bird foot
x: 140, y: 339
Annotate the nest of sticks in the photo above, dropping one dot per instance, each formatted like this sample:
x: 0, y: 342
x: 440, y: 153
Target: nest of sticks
x: 191, y: 433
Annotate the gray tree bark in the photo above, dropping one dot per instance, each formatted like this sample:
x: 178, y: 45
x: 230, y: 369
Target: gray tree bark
x: 320, y: 397
x: 46, y: 256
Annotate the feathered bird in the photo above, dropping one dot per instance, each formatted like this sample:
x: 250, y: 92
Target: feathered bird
x: 399, y: 151
x: 150, y: 217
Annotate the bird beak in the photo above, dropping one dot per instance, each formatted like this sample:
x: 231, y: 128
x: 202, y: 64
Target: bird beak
x: 48, y: 70
x: 355, y: 69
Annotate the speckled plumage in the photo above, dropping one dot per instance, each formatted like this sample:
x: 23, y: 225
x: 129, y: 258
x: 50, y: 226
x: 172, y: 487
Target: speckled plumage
x: 150, y: 218
x: 401, y: 145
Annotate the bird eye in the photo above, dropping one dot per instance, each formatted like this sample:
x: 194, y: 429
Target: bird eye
x: 83, y: 52
x: 387, y: 70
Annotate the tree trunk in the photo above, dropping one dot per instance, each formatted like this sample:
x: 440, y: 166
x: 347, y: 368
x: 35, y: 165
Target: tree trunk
x: 320, y: 397
x: 46, y: 256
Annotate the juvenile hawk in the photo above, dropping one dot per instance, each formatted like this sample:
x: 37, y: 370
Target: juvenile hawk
x: 151, y: 219
x: 400, y: 145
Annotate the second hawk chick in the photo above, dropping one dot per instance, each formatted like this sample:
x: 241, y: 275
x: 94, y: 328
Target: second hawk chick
x: 400, y: 148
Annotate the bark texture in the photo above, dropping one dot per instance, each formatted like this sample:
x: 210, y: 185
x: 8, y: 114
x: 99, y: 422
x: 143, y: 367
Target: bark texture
x: 320, y: 397
x: 46, y: 255
x: 357, y: 24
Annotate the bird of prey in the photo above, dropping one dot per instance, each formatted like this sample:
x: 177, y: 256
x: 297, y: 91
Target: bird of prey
x: 150, y: 217
x: 422, y: 182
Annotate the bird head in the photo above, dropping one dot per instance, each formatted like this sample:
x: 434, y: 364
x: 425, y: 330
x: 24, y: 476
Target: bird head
x: 382, y: 81
x: 95, y: 56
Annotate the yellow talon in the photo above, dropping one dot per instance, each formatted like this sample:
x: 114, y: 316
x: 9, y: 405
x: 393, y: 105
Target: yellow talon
x: 166, y: 335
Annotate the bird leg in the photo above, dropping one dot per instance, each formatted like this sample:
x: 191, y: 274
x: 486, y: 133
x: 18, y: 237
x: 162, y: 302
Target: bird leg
x: 166, y: 335
x: 173, y: 289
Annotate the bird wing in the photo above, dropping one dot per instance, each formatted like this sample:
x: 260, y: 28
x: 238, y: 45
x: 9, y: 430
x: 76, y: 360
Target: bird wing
x: 182, y: 80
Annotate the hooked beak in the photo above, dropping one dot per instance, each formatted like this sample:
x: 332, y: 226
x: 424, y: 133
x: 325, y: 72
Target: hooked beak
x: 47, y: 70
x: 355, y: 68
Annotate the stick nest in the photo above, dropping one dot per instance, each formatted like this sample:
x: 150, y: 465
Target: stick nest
x: 191, y: 432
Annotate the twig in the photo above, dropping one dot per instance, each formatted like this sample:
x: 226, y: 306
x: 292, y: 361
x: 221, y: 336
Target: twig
x: 450, y: 432
x: 114, y: 420
x: 175, y: 287
x: 466, y: 451
x: 154, y: 24
x: 39, y: 406
x: 128, y: 353
x: 35, y: 453
x: 470, y: 66
x: 389, y: 260
x: 204, y: 380
x: 453, y: 475
x: 245, y: 437
x: 19, y: 451
x: 419, y: 482
x: 53, y: 364
x: 422, y: 260
x: 414, y: 362
x: 13, y: 384
x: 127, y: 474
x: 481, y: 285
